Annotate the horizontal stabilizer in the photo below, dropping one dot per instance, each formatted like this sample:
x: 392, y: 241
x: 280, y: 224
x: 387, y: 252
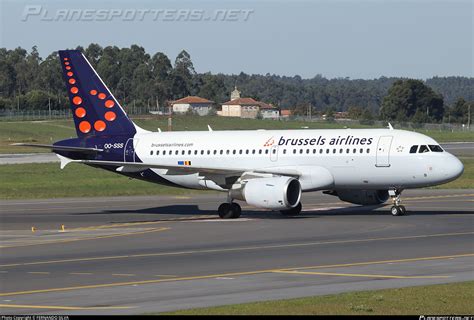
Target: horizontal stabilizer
x: 59, y: 148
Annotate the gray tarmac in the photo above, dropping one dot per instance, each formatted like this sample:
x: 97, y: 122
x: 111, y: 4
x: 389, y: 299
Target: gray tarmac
x: 456, y: 148
x: 135, y: 255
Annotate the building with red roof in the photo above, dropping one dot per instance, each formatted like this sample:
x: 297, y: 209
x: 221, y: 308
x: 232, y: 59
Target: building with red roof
x: 247, y: 108
x: 195, y: 104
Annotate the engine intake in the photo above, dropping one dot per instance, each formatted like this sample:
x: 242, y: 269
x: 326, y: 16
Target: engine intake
x: 271, y: 193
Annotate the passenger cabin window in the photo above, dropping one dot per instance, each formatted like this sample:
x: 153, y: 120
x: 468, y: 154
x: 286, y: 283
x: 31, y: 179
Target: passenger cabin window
x: 435, y: 148
x: 413, y: 149
x: 423, y: 149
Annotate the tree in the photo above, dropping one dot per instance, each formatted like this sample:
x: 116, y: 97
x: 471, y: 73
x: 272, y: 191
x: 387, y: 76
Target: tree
x: 183, y: 75
x: 93, y: 53
x: 355, y: 113
x: 366, y: 117
x: 407, y: 98
x: 329, y: 114
x: 127, y: 72
x: 458, y: 112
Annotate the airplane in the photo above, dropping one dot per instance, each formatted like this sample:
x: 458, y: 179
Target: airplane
x: 267, y: 169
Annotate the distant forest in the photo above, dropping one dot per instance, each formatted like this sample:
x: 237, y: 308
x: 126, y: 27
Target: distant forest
x: 28, y: 81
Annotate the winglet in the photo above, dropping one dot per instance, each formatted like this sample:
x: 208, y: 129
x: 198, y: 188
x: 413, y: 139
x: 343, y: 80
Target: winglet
x: 64, y: 161
x: 390, y: 126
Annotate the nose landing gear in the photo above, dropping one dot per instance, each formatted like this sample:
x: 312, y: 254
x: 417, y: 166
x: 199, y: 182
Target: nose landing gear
x: 397, y: 209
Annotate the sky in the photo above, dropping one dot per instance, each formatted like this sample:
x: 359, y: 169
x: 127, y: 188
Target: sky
x: 362, y: 39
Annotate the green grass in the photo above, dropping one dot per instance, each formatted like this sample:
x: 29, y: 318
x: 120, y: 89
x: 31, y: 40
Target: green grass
x: 453, y: 298
x: 54, y: 130
x: 46, y: 180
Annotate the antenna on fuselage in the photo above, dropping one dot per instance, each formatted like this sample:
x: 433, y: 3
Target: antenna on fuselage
x: 390, y: 126
x: 209, y: 127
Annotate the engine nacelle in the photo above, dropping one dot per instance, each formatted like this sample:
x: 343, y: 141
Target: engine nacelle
x: 363, y: 197
x: 276, y: 193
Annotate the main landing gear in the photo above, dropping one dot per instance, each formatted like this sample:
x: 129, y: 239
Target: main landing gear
x: 397, y: 209
x: 230, y: 210
x: 293, y: 211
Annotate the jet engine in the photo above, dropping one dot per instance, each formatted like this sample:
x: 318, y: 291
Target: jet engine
x: 363, y: 197
x: 277, y: 193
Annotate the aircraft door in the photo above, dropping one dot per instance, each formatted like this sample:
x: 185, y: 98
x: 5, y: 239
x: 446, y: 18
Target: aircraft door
x: 383, y: 151
x: 129, y: 150
x: 274, y: 153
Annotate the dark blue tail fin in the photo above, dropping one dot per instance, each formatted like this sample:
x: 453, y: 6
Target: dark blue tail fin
x: 95, y: 110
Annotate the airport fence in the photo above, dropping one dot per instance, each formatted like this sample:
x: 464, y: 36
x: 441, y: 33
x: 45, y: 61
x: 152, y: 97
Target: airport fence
x: 32, y: 115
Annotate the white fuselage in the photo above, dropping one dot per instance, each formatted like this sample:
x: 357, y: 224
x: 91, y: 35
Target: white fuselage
x: 355, y: 158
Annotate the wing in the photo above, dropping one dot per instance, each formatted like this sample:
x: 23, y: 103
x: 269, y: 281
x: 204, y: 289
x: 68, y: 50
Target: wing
x: 138, y: 167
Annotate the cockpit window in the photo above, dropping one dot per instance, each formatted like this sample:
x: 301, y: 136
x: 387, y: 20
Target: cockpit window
x: 423, y: 149
x: 413, y: 149
x: 435, y: 148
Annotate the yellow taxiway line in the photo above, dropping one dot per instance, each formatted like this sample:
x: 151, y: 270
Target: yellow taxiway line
x: 27, y: 306
x: 201, y: 277
x: 357, y: 275
x: 176, y: 253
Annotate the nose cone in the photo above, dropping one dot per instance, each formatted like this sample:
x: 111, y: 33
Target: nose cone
x: 454, y: 168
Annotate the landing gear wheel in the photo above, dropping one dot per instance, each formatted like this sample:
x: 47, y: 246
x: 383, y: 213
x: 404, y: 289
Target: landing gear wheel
x: 403, y: 209
x: 397, y: 211
x: 236, y: 210
x: 224, y: 211
x: 229, y: 210
x: 293, y: 211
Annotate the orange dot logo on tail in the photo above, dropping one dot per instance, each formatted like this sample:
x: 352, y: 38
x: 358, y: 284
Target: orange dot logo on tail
x: 77, y: 100
x: 84, y: 127
x: 109, y: 103
x: 66, y: 63
x: 93, y: 92
x: 68, y: 68
x: 74, y: 90
x: 69, y: 74
x: 99, y: 125
x: 101, y: 96
x: 72, y: 81
x: 80, y: 112
x: 66, y: 59
x: 110, y: 116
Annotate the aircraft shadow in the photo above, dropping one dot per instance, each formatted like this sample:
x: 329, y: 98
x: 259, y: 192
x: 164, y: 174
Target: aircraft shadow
x: 194, y: 211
